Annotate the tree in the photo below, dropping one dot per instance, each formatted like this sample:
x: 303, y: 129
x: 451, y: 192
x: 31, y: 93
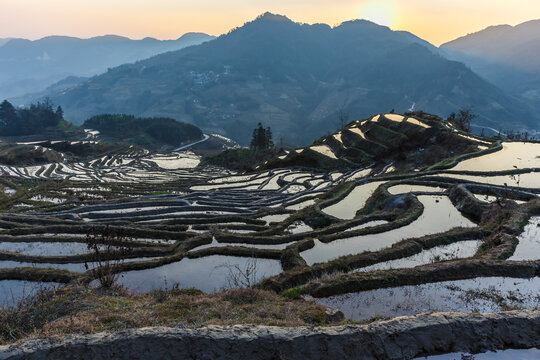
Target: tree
x: 268, y: 141
x: 342, y: 118
x: 47, y: 104
x: 261, y: 138
x: 462, y: 120
x: 8, y: 114
x: 31, y: 120
x: 59, y: 112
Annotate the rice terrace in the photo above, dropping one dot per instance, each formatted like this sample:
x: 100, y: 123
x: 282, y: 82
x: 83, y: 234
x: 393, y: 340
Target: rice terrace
x: 375, y: 242
x: 285, y: 190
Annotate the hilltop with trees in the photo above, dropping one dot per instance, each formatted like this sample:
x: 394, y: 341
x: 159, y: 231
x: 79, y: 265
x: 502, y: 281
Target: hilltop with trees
x: 262, y: 138
x: 32, y: 120
x: 144, y: 131
x: 261, y: 148
x: 463, y: 119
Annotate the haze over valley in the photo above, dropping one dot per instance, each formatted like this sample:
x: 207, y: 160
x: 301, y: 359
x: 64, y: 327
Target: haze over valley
x: 28, y: 67
x: 290, y: 75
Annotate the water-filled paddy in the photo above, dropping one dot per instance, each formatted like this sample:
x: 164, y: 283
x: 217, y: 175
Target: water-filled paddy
x: 75, y: 267
x: 459, y: 250
x: 176, y: 161
x: 368, y: 224
x: 45, y: 248
x: 229, y: 197
x: 405, y: 188
x: 528, y: 247
x: 256, y: 182
x: 485, y: 198
x: 479, y: 294
x: 42, y: 198
x: 347, y: 208
x: 324, y: 150
x: 513, y: 155
x: 439, y: 216
x: 528, y: 180
x: 215, y: 243
x: 8, y: 264
x: 301, y: 205
x: 12, y: 291
x: 298, y: 227
x: 208, y: 273
x: 521, y: 354
x: 274, y: 218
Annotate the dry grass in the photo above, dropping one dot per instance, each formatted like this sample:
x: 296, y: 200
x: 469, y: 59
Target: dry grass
x: 82, y: 310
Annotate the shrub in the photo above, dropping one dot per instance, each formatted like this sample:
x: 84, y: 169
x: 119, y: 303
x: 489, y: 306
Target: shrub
x: 108, y: 251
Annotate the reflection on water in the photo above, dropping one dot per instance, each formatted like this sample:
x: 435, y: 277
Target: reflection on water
x: 439, y: 216
x: 207, y: 274
x: 528, y: 247
x: 528, y: 180
x: 405, y: 188
x: 513, y: 155
x: 522, y: 354
x: 459, y: 250
x: 7, y: 264
x: 480, y: 294
x: 215, y: 243
x: 45, y: 248
x: 347, y: 208
x: 12, y: 291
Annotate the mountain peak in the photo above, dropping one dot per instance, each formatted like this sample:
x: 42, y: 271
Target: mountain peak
x: 109, y: 37
x: 362, y: 22
x: 268, y: 16
x: 195, y: 35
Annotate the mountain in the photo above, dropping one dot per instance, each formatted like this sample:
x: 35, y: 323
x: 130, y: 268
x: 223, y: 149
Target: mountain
x: 294, y: 78
x: 505, y: 55
x: 31, y: 66
x: 4, y: 40
x: 384, y: 142
x: 516, y: 46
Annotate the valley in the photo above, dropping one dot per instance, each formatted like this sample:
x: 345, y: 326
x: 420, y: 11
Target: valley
x: 360, y: 180
x: 295, y: 78
x: 330, y: 224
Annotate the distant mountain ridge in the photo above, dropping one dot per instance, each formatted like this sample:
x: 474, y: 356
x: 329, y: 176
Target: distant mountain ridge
x: 517, y: 46
x: 28, y: 66
x: 4, y: 40
x: 294, y: 77
x: 506, y: 55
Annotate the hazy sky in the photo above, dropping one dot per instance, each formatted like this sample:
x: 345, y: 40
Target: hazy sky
x: 434, y: 20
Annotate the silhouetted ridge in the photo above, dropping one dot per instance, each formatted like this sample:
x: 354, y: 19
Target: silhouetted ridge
x: 295, y: 78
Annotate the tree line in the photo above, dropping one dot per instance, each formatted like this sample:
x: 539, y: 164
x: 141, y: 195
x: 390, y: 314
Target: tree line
x: 31, y: 120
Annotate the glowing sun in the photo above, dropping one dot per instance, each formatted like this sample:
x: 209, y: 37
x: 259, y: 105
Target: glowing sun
x: 380, y: 12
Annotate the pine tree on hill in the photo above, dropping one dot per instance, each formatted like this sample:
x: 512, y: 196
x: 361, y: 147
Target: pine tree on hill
x: 8, y: 114
x: 261, y: 138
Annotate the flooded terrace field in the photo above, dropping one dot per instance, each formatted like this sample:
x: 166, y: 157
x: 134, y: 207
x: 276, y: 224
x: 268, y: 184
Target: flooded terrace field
x: 457, y: 239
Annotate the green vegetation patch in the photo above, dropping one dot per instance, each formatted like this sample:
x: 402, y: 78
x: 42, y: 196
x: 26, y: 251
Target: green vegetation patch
x: 144, y: 131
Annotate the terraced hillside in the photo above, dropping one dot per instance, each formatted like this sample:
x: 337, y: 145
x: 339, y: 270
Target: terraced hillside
x: 407, y: 143
x: 92, y: 159
x: 395, y: 237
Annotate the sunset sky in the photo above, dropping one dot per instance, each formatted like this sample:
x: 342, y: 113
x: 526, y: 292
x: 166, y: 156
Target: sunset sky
x: 434, y: 20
